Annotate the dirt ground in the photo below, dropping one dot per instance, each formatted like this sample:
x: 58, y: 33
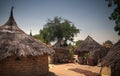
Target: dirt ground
x: 72, y: 69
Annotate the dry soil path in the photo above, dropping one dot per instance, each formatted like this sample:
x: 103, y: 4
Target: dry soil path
x: 72, y: 69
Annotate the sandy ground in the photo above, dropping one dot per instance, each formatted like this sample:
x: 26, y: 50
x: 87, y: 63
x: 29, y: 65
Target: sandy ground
x: 72, y: 69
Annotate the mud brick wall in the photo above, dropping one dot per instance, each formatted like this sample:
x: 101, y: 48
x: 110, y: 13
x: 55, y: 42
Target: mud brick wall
x: 24, y: 66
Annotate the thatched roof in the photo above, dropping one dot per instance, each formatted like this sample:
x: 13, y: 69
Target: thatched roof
x: 113, y: 56
x: 61, y: 44
x: 61, y: 47
x: 89, y: 44
x: 13, y: 41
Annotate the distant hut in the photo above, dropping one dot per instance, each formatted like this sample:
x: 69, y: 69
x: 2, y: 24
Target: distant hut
x: 111, y: 62
x: 61, y: 52
x: 21, y: 54
x: 90, y: 52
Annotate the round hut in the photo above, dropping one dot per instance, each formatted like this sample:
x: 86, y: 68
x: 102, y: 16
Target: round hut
x: 90, y: 52
x: 61, y: 52
x: 111, y: 62
x: 21, y: 54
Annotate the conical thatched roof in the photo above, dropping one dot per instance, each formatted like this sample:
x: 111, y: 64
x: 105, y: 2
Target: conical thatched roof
x: 113, y: 56
x: 13, y: 41
x: 89, y: 45
x: 112, y: 60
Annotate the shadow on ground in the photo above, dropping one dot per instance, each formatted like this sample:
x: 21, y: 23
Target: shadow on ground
x: 51, y: 74
x: 85, y: 72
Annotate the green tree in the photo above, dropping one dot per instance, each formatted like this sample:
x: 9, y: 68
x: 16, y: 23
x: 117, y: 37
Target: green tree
x: 108, y: 44
x: 38, y: 37
x: 45, y: 35
x: 115, y: 14
x: 58, y: 29
x: 78, y: 43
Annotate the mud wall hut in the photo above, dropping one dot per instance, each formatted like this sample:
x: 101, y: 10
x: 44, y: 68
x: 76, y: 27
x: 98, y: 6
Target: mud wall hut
x: 90, y: 52
x: 111, y: 62
x: 21, y: 54
x: 61, y: 52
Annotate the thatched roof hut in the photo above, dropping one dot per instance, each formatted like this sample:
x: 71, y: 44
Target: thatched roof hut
x: 91, y: 49
x: 112, y: 61
x: 89, y: 44
x: 61, y: 52
x: 21, y: 54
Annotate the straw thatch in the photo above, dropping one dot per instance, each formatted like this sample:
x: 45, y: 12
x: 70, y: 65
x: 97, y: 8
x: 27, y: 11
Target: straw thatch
x: 113, y: 54
x: 60, y: 45
x: 92, y: 48
x: 112, y: 59
x: 61, y: 52
x: 89, y: 45
x: 13, y: 41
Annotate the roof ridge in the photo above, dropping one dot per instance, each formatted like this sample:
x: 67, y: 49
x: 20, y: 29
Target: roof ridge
x: 11, y: 24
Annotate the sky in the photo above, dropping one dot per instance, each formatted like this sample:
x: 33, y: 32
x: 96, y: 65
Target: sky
x: 90, y: 16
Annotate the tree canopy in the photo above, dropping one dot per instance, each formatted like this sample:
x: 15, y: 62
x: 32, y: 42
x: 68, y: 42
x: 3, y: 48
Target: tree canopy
x: 108, y: 44
x: 58, y: 29
x: 115, y: 14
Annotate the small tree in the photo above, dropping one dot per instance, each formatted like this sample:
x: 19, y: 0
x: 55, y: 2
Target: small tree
x: 108, y: 44
x: 38, y: 37
x: 78, y: 43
